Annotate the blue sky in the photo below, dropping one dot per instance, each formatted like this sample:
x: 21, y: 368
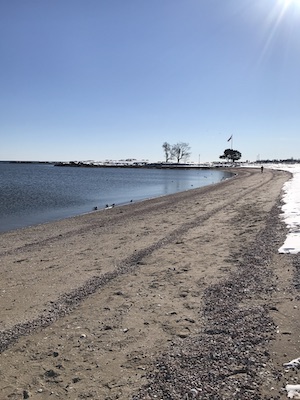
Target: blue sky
x: 114, y: 79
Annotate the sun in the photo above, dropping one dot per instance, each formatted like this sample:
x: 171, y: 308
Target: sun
x: 287, y: 3
x: 283, y: 11
x: 285, y: 6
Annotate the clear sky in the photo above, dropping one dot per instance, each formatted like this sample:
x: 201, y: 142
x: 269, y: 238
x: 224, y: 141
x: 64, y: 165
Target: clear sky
x: 114, y: 79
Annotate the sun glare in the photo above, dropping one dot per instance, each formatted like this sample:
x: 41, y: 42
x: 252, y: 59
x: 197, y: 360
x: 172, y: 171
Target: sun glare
x: 287, y: 3
x: 282, y: 11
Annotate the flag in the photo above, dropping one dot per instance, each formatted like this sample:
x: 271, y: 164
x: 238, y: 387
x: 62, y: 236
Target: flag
x: 229, y: 139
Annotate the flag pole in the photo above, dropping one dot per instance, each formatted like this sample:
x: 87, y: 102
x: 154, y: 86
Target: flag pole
x: 231, y: 141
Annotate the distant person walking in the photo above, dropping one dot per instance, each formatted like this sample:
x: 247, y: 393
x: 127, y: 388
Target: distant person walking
x: 262, y: 169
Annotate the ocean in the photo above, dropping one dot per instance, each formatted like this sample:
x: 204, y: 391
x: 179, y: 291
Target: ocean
x: 31, y: 194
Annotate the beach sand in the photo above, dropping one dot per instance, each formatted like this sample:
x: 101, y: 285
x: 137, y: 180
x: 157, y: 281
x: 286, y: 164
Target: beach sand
x: 180, y: 297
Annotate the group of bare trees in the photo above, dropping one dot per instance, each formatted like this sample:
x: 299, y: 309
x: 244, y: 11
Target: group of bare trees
x: 179, y: 151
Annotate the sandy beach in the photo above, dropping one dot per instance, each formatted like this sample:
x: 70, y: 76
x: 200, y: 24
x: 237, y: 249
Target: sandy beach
x: 180, y: 297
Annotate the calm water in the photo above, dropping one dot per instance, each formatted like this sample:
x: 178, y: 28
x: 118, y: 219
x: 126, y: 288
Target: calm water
x: 35, y: 193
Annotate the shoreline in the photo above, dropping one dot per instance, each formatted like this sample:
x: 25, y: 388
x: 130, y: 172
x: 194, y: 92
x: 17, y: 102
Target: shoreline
x: 53, y: 205
x: 115, y: 298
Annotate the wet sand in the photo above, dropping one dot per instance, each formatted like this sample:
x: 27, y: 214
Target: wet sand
x: 179, y: 297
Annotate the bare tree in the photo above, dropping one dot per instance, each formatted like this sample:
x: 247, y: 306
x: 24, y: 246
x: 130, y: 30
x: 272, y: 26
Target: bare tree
x: 181, y: 151
x: 168, y: 151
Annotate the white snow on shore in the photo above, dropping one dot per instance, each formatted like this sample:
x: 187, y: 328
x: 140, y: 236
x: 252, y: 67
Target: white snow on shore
x: 291, y: 208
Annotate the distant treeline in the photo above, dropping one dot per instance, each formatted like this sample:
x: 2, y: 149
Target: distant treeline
x: 275, y: 161
x: 28, y: 162
x: 133, y: 165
